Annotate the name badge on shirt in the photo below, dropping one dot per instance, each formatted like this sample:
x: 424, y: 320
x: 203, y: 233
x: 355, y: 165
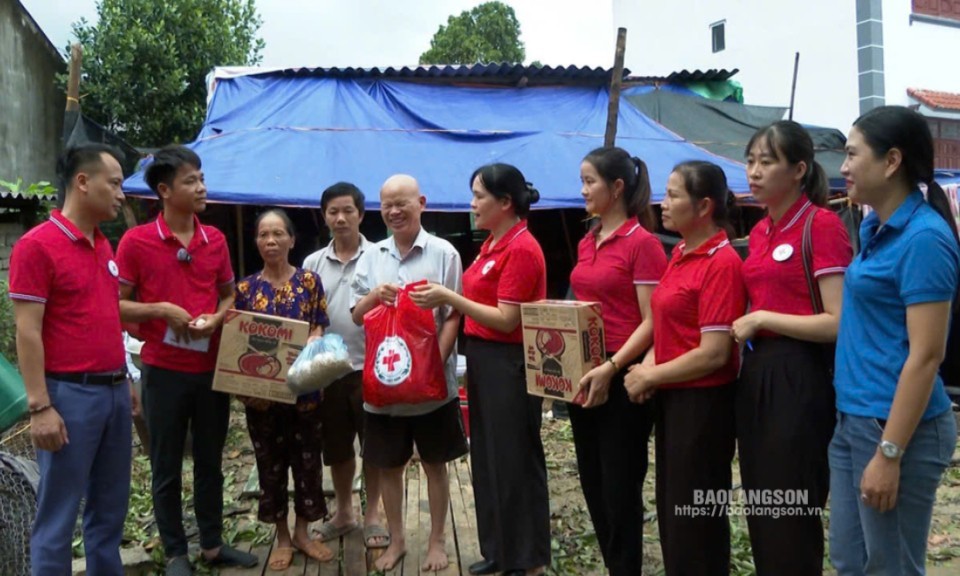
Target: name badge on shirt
x: 782, y: 252
x: 112, y: 267
x: 486, y: 267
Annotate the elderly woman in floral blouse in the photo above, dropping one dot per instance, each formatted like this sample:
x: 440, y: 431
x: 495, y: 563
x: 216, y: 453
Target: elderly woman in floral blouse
x: 286, y: 436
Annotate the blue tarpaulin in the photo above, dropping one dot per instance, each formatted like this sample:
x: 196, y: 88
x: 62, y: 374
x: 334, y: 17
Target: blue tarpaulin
x: 280, y: 139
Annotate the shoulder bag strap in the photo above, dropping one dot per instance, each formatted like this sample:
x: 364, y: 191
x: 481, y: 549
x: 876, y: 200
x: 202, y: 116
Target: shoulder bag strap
x: 806, y: 249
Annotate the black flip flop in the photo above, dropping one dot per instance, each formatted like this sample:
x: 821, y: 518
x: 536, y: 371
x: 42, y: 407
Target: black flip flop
x: 179, y: 566
x: 228, y: 556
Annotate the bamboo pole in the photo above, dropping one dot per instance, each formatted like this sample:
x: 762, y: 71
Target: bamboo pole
x: 613, y: 109
x: 240, y: 240
x: 793, y: 89
x: 73, y: 81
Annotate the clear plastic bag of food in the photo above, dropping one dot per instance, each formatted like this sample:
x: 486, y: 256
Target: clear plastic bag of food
x: 321, y: 363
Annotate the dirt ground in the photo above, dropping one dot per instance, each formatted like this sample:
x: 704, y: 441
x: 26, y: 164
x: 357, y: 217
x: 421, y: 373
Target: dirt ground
x: 575, y: 546
x: 575, y: 550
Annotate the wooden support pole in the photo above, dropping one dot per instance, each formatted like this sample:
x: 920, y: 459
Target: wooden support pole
x: 613, y: 109
x: 793, y: 89
x: 240, y: 241
x: 73, y: 82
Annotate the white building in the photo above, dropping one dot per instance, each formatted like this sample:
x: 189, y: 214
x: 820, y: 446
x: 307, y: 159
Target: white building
x: 854, y: 54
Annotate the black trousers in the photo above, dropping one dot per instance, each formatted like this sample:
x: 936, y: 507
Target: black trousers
x: 694, y: 451
x: 507, y: 459
x: 611, y: 443
x: 172, y: 401
x: 785, y: 418
x: 288, y: 438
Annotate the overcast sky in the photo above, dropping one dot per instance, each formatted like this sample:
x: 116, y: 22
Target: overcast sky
x: 369, y: 33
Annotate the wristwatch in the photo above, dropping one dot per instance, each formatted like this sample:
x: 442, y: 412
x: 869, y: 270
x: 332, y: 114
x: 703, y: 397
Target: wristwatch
x: 890, y: 450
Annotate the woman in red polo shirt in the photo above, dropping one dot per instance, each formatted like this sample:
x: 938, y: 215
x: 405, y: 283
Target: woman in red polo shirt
x: 619, y: 263
x: 785, y: 400
x: 692, y: 370
x: 506, y: 453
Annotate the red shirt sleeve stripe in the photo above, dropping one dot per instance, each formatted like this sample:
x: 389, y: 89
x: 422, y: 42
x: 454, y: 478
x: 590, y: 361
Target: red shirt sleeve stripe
x: 15, y: 296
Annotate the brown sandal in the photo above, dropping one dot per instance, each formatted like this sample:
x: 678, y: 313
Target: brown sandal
x: 280, y: 558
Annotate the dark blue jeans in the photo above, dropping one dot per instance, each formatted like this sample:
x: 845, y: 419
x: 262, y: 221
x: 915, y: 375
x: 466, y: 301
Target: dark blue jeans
x: 95, y: 465
x: 862, y: 540
x: 172, y: 401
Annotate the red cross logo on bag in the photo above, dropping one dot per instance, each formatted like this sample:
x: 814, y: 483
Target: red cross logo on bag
x: 393, y: 361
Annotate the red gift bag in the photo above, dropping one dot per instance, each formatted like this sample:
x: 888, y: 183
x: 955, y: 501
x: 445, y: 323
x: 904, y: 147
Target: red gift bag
x: 403, y: 364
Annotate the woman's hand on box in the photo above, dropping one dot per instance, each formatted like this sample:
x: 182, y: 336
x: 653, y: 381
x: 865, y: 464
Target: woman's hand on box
x: 259, y: 404
x: 597, y: 384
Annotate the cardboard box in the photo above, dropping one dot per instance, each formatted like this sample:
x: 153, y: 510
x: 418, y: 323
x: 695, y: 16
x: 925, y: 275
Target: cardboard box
x: 562, y: 341
x: 256, y: 350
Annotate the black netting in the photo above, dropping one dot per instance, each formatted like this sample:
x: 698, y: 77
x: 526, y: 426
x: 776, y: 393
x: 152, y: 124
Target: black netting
x: 18, y: 500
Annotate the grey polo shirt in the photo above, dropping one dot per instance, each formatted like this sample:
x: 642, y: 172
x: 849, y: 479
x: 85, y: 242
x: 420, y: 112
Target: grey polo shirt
x: 337, y: 278
x: 431, y: 258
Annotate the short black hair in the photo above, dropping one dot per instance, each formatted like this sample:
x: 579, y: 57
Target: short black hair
x: 76, y: 159
x: 166, y: 162
x: 342, y: 189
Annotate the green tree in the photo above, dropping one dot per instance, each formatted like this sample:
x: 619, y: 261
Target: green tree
x: 488, y: 33
x: 145, y: 62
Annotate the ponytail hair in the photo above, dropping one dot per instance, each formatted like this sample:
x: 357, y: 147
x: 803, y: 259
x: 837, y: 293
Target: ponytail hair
x: 504, y: 181
x: 899, y: 127
x: 938, y: 200
x: 788, y: 139
x: 612, y: 164
x: 707, y: 180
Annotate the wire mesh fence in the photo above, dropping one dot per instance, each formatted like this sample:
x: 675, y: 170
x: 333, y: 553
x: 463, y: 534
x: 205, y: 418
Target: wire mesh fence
x: 18, y: 478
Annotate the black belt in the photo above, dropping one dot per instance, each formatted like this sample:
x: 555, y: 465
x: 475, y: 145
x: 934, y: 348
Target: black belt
x: 95, y: 379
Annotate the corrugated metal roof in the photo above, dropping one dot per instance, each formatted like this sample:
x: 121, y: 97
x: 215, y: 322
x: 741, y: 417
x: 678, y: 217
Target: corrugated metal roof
x: 500, y: 73
x: 685, y: 76
x: 8, y: 195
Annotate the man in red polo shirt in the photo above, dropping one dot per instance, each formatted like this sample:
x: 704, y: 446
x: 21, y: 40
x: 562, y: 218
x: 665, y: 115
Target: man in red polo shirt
x: 63, y: 282
x: 176, y: 280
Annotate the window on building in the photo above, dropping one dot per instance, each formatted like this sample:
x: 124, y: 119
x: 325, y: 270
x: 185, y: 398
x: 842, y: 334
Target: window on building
x: 718, y: 36
x: 950, y: 129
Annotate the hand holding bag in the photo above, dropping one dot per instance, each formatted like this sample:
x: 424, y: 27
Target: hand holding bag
x: 403, y: 364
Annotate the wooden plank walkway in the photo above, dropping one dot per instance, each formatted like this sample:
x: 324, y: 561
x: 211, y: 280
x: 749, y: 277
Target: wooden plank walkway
x: 351, y: 557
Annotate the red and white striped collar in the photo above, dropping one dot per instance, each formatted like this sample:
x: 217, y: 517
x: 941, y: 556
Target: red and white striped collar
x: 628, y: 227
x: 164, y: 231
x: 69, y: 229
x: 511, y: 235
x: 708, y: 248
x: 793, y: 214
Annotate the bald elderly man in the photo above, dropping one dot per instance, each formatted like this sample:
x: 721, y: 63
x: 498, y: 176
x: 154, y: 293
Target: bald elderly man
x: 409, y: 255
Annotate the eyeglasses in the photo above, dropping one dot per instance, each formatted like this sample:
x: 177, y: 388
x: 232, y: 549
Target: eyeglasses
x: 184, y: 256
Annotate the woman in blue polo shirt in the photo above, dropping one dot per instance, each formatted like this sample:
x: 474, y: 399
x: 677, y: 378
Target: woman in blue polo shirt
x: 895, y: 431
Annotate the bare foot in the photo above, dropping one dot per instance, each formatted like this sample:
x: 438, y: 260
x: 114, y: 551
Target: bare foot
x: 313, y: 549
x: 436, y: 559
x: 391, y: 556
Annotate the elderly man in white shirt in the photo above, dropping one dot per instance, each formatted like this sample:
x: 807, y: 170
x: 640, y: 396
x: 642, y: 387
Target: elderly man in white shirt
x: 409, y: 255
